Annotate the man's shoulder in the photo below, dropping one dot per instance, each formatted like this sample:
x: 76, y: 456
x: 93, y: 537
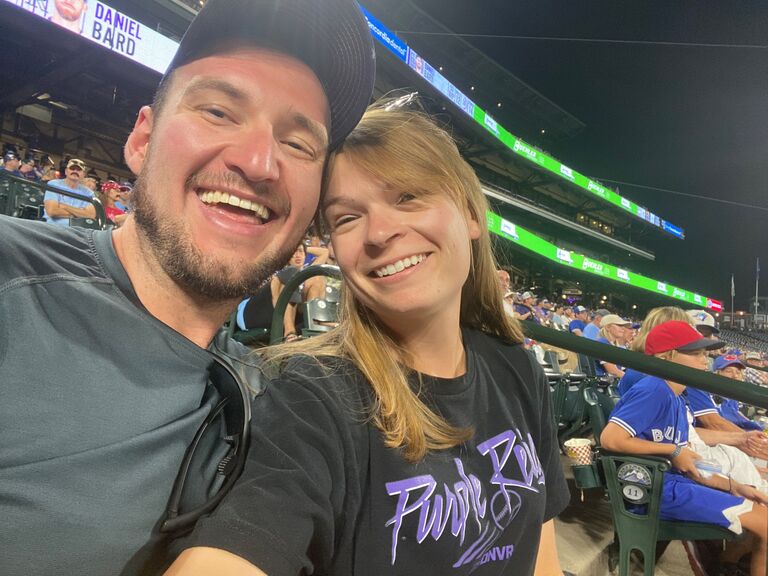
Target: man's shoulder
x: 31, y: 248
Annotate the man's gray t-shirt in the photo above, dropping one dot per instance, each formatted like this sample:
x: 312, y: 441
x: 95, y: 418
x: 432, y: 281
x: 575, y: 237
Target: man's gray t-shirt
x: 98, y: 403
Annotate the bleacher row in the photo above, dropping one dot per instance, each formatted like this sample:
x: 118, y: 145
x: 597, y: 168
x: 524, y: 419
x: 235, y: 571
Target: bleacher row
x: 753, y: 340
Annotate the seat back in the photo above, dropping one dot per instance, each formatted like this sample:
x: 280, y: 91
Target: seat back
x: 320, y: 315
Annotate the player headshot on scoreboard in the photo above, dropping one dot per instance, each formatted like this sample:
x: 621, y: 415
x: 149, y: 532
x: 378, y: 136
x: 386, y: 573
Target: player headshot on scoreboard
x: 69, y: 14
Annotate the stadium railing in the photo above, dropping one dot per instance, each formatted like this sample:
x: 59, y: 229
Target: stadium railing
x: 23, y: 198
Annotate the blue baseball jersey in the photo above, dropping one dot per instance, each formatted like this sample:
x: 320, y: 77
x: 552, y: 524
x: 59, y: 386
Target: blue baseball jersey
x: 700, y: 402
x: 650, y: 410
x: 729, y: 409
x: 630, y: 378
x: 576, y: 325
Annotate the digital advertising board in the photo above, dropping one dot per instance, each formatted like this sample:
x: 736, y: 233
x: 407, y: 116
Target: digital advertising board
x: 103, y: 25
x: 519, y: 147
x: 530, y: 241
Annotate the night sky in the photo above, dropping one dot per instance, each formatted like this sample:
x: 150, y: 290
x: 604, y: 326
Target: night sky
x: 687, y: 118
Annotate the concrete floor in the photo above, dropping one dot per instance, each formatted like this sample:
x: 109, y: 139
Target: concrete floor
x: 584, y: 531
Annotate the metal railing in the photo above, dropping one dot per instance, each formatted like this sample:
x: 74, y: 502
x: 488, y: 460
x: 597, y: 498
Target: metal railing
x: 23, y: 198
x: 741, y: 391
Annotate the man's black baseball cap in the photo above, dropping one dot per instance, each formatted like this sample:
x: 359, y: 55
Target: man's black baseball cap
x: 329, y: 36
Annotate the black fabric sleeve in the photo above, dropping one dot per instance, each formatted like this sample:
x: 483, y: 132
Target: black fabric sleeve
x: 284, y: 512
x: 558, y: 494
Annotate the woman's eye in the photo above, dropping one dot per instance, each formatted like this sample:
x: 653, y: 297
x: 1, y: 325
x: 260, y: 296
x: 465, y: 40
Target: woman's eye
x: 341, y: 220
x: 406, y: 197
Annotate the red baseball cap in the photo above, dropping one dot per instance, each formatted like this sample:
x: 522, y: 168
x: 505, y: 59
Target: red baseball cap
x: 678, y: 335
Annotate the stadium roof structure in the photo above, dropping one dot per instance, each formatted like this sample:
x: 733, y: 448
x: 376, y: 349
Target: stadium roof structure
x: 538, y: 169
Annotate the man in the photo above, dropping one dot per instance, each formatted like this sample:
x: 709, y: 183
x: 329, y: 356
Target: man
x: 592, y: 330
x: 109, y: 335
x: 558, y: 317
x: 69, y: 14
x: 59, y: 208
x: 524, y: 308
x: 752, y: 372
x: 579, y: 322
x: 11, y: 164
x: 733, y: 368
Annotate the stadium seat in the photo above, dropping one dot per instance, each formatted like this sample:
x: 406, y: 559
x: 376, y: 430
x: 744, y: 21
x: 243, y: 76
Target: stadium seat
x: 319, y: 316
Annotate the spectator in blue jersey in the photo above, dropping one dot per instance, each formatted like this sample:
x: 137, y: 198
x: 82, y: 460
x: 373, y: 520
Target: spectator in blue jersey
x: 11, y: 163
x: 652, y: 419
x: 524, y: 309
x: 28, y: 170
x: 579, y: 322
x: 592, y: 329
x: 59, y: 208
x: 732, y: 367
x: 614, y: 330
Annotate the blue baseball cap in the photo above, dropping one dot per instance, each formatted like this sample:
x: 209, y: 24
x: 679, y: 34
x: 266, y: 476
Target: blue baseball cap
x: 726, y: 360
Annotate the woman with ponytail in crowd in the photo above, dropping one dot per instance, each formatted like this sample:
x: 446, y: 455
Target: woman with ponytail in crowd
x: 417, y: 437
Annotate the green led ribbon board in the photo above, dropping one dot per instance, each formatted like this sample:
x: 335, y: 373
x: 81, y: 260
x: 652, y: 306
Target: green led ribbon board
x: 403, y: 52
x: 530, y: 241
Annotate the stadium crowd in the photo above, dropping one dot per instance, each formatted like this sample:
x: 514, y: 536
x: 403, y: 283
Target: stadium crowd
x: 423, y: 362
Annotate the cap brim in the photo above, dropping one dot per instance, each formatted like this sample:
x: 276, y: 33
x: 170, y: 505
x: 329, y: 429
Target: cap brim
x: 702, y: 343
x: 330, y: 36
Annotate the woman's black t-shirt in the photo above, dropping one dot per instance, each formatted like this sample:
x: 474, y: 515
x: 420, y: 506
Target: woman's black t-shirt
x: 322, y: 494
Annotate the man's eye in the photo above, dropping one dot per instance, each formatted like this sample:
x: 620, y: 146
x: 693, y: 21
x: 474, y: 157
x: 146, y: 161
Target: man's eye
x: 301, y: 147
x: 406, y: 197
x: 217, y: 113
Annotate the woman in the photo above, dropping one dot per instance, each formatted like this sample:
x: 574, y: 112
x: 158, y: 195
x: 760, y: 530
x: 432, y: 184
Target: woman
x: 109, y: 195
x: 614, y: 330
x: 417, y: 438
x: 652, y: 419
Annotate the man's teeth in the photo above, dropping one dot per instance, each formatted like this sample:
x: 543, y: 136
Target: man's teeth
x: 216, y: 197
x: 399, y: 266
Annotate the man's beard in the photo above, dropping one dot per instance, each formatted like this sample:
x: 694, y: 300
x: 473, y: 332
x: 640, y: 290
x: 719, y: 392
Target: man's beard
x: 196, y: 273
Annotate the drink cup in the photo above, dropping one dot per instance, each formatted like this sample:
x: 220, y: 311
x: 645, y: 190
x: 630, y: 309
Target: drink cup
x: 579, y: 450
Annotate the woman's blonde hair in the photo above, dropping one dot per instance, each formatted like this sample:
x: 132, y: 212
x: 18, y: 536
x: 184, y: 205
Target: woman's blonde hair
x: 655, y: 317
x: 406, y: 150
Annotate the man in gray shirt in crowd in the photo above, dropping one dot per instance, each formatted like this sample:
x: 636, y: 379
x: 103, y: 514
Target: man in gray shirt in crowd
x: 107, y: 348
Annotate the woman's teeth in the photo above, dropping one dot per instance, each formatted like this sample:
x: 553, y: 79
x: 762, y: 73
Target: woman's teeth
x: 400, y: 265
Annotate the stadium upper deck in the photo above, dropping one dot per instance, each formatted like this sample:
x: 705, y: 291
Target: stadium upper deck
x: 67, y: 96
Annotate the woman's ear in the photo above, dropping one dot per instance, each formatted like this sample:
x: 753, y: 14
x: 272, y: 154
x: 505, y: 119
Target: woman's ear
x: 472, y: 225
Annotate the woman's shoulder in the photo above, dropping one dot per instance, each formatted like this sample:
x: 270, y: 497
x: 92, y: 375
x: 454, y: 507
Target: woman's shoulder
x: 331, y: 379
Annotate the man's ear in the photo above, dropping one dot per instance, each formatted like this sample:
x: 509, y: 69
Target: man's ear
x: 138, y: 140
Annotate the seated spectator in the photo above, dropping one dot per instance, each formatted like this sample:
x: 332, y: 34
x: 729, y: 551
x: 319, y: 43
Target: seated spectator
x: 110, y: 193
x: 59, y: 208
x: 592, y: 329
x: 655, y: 317
x: 312, y: 288
x: 752, y: 372
x: 732, y: 367
x: 124, y: 198
x: 11, y: 164
x: 503, y: 276
x: 29, y: 170
x: 704, y: 322
x: 558, y: 318
x: 651, y: 419
x: 579, y: 322
x: 544, y: 312
x: 524, y: 308
x: 614, y: 331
